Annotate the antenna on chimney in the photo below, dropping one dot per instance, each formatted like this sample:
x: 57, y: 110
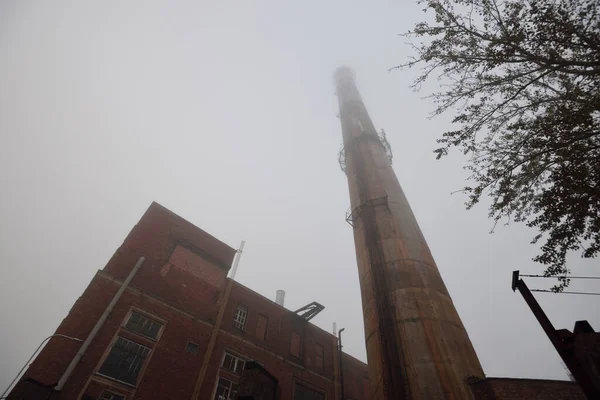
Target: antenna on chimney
x: 334, y: 329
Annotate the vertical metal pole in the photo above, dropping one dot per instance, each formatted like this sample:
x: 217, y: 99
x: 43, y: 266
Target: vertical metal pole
x: 336, y: 367
x: 238, y: 255
x: 565, y: 353
x: 217, y: 327
x: 341, y: 364
x: 96, y: 328
x: 33, y: 355
x: 539, y: 314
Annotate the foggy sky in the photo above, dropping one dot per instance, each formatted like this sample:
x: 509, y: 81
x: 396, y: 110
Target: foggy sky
x: 225, y: 113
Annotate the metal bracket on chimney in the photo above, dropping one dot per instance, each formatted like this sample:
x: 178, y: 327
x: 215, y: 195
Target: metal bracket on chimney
x: 386, y: 145
x: 342, y: 158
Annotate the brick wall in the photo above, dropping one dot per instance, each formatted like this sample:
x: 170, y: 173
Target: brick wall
x: 356, y: 378
x: 156, y: 235
x: 281, y: 324
x: 181, y: 284
x: 183, y: 264
x: 274, y: 352
x: 168, y: 353
x: 525, y: 389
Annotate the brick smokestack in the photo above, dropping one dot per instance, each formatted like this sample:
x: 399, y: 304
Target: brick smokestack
x: 417, y: 346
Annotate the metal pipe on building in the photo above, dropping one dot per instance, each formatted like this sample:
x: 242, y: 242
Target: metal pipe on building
x: 237, y: 259
x: 215, y: 332
x: 341, y: 353
x: 33, y: 355
x: 96, y: 328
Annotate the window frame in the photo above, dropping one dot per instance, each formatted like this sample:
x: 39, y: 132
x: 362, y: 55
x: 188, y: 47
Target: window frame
x: 141, y: 370
x: 237, y: 358
x: 113, y: 393
x: 189, y: 342
x: 231, y: 383
x: 235, y: 322
x: 148, y: 316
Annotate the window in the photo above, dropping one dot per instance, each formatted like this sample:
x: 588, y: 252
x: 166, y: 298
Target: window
x: 261, y: 327
x: 233, y: 363
x: 106, y: 395
x: 319, y: 355
x: 143, y: 325
x: 295, y: 347
x: 302, y: 392
x: 239, y: 318
x: 124, y: 361
x: 226, y: 390
x: 192, y: 348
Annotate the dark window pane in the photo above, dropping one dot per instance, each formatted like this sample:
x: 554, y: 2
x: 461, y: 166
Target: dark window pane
x: 192, y: 348
x: 302, y: 392
x: 239, y: 367
x: 143, y: 325
x: 233, y: 363
x: 226, y: 390
x: 228, y: 362
x: 124, y: 361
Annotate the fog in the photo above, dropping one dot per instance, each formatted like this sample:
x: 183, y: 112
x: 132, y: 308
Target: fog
x: 225, y: 113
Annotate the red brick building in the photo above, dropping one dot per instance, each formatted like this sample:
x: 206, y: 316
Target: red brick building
x: 182, y: 330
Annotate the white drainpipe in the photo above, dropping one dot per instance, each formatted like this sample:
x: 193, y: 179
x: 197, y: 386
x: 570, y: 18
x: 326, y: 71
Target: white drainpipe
x: 88, y: 340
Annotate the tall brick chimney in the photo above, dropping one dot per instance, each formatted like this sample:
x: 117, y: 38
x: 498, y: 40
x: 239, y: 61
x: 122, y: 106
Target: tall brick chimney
x: 417, y: 346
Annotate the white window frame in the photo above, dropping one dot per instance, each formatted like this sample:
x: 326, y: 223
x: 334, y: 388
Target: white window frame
x: 236, y: 360
x: 229, y: 394
x: 150, y: 317
x: 143, y: 365
x: 240, y: 317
